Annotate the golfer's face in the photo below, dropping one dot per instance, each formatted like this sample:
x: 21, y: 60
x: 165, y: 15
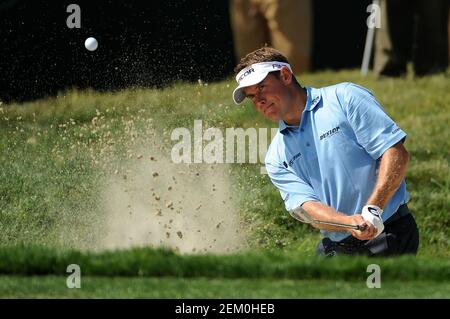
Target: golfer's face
x: 268, y: 97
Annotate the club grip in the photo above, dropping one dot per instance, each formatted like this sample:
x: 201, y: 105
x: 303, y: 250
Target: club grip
x: 361, y: 227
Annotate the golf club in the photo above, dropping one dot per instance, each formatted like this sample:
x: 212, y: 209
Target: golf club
x: 301, y: 215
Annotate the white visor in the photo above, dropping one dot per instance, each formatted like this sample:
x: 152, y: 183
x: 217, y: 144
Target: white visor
x: 254, y: 74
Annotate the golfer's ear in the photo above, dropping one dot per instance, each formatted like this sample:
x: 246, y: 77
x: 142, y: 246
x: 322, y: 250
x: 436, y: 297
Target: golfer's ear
x: 285, y: 75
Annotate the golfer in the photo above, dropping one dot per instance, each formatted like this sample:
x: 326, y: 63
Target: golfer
x: 337, y: 155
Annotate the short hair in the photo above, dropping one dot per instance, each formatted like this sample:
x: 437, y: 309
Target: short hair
x: 264, y: 54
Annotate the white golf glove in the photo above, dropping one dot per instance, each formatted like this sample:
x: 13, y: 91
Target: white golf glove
x: 372, y: 214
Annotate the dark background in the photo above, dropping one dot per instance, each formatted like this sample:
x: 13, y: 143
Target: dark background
x: 145, y: 43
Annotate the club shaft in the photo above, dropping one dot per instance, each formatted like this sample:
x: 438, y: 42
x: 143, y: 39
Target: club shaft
x: 301, y: 215
x: 357, y: 227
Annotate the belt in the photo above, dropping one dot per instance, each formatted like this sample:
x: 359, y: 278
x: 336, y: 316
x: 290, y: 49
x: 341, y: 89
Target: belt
x: 402, y: 211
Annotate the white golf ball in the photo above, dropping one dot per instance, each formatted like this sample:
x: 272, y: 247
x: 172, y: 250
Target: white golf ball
x: 91, y: 44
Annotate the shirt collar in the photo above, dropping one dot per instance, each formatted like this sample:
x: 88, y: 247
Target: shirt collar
x: 313, y: 98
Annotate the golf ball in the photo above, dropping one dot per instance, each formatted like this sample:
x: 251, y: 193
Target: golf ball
x: 91, y: 44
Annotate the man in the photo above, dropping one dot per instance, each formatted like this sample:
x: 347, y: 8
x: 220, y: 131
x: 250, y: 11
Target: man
x: 337, y: 155
x: 283, y: 24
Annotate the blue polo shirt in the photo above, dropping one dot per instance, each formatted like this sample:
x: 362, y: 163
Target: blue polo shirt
x: 334, y: 155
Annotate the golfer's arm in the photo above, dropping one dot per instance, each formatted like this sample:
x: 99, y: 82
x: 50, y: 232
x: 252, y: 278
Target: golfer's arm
x: 322, y: 212
x: 392, y: 171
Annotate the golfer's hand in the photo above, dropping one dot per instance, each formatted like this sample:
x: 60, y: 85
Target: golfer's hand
x: 372, y: 214
x: 369, y: 231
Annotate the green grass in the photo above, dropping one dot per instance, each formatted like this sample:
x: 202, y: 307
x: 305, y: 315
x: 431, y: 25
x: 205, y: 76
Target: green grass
x: 125, y: 287
x: 56, y: 153
x: 20, y: 260
x: 37, y: 272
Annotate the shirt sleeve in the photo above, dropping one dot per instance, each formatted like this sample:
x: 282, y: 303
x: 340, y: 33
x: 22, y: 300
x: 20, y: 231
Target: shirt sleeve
x: 293, y: 190
x: 374, y: 129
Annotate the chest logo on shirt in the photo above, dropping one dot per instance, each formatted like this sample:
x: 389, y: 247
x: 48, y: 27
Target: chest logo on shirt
x: 330, y: 133
x: 291, y: 161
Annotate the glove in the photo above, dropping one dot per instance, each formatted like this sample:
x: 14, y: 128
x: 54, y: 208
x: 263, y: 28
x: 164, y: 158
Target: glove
x: 372, y: 214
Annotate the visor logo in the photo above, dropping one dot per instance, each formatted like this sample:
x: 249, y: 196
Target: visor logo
x: 249, y: 71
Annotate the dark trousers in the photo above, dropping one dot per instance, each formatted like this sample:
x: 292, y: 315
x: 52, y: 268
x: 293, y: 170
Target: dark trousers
x: 400, y: 236
x: 412, y: 30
